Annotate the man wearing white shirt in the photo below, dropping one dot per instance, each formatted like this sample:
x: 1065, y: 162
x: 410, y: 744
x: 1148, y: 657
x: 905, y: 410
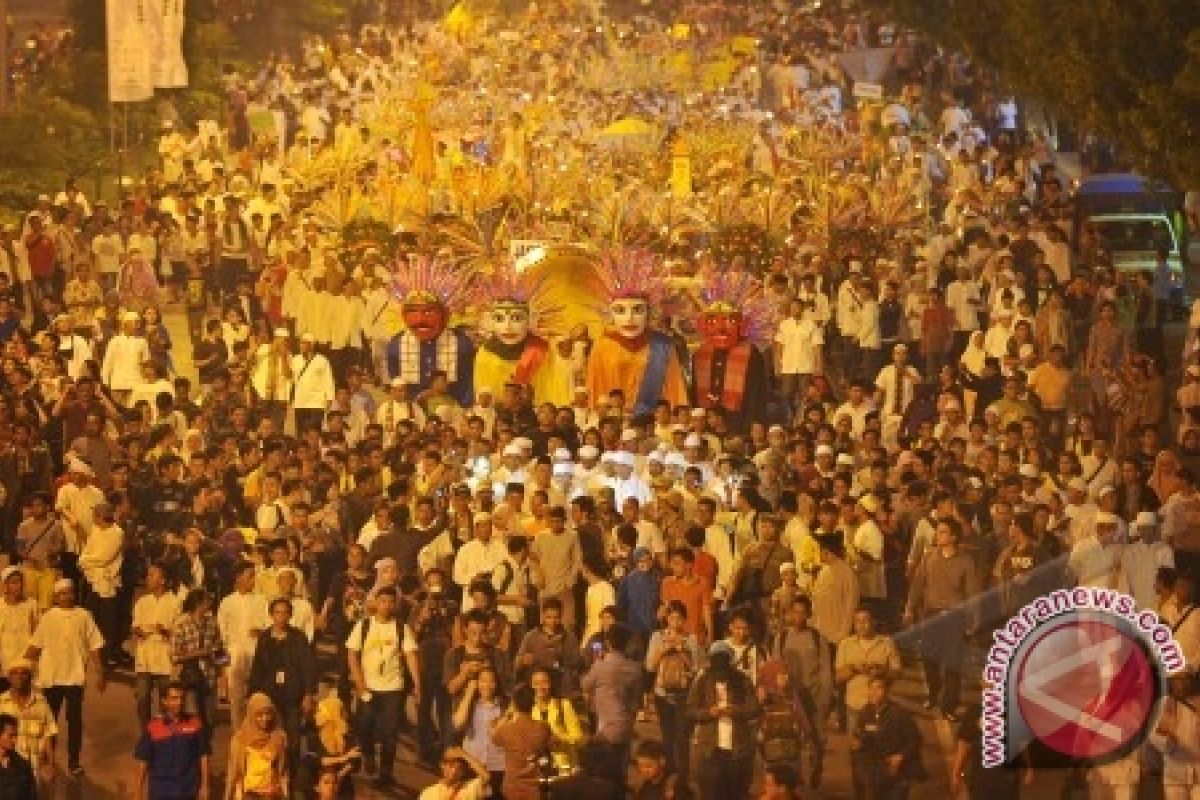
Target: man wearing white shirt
x: 625, y: 484
x: 847, y: 311
x: 313, y: 384
x: 123, y: 359
x: 100, y: 564
x: 241, y: 617
x: 65, y: 640
x: 478, y: 557
x: 107, y: 249
x: 75, y: 503
x: 895, y: 387
x: 1143, y: 557
x: 153, y: 382
x: 995, y: 341
x: 857, y: 407
x: 74, y: 349
x: 866, y: 550
x: 396, y: 409
x: 964, y: 296
x: 1093, y: 560
x: 1100, y: 469
x: 153, y: 620
x: 798, y: 342
x: 1177, y: 737
x: 377, y: 649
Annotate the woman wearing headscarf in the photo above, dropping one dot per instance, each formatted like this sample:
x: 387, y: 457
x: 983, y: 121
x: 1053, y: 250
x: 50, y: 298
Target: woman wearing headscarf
x: 387, y: 576
x: 258, y: 755
x: 333, y: 747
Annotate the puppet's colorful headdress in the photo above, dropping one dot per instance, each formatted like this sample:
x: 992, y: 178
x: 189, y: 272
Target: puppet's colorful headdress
x: 429, y: 280
x: 628, y: 273
x: 729, y: 292
x: 506, y: 287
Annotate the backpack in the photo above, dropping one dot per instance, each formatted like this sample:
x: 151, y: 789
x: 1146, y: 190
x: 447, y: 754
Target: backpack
x: 779, y: 734
x: 674, y: 675
x: 754, y: 583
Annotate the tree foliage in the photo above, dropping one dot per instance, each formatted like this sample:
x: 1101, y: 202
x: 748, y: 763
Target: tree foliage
x: 45, y: 141
x: 1128, y: 70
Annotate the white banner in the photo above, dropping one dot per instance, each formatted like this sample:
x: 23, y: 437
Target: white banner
x: 871, y: 66
x: 129, y: 51
x: 868, y: 91
x: 165, y: 20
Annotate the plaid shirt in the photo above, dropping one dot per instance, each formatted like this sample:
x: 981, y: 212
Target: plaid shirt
x: 410, y: 357
x: 191, y: 635
x: 35, y: 724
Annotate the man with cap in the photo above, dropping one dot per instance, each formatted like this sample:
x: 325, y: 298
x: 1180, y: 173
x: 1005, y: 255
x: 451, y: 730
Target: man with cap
x: 1095, y: 557
x: 1143, y: 557
x: 866, y: 549
x: 895, y: 388
x: 271, y: 375
x: 65, y: 641
x: 100, y: 563
x: 847, y: 313
x: 313, y: 387
x: 74, y: 503
x: 1079, y: 510
x: 478, y: 558
x: 36, y: 726
x: 625, y: 483
x: 123, y: 358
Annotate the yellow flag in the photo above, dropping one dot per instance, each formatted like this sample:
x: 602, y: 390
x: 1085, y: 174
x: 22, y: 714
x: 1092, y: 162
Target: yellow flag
x: 459, y: 21
x: 681, y: 170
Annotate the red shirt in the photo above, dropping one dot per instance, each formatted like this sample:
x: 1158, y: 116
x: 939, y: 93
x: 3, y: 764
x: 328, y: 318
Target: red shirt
x: 696, y: 596
x: 40, y: 248
x: 705, y: 567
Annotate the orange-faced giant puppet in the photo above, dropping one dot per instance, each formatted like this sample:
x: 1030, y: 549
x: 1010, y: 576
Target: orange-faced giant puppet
x: 729, y: 370
x: 430, y: 291
x: 632, y: 357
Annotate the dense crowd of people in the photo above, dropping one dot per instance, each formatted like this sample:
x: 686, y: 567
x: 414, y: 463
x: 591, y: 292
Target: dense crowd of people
x: 674, y: 558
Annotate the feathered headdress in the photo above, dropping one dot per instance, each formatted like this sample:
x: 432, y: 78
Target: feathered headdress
x: 508, y: 287
x: 629, y: 272
x: 730, y: 292
x: 431, y: 280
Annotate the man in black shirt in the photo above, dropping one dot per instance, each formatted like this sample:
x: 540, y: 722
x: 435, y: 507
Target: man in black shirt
x: 285, y: 669
x: 885, y: 747
x: 16, y: 775
x: 210, y: 353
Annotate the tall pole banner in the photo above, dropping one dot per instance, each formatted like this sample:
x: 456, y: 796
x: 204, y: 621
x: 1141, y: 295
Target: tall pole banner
x: 129, y: 53
x: 165, y: 20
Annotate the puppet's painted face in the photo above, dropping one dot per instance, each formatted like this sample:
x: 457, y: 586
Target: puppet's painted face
x: 509, y: 323
x: 722, y: 329
x: 425, y: 320
x: 630, y: 316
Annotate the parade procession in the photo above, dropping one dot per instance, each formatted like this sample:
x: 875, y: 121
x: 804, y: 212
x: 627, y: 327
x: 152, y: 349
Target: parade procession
x: 593, y: 399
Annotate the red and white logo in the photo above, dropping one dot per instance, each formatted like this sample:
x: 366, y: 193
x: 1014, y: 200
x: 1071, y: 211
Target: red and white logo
x: 1086, y: 688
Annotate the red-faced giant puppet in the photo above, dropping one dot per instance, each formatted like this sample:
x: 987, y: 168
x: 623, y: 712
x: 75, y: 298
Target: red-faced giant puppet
x: 728, y: 369
x: 430, y: 291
